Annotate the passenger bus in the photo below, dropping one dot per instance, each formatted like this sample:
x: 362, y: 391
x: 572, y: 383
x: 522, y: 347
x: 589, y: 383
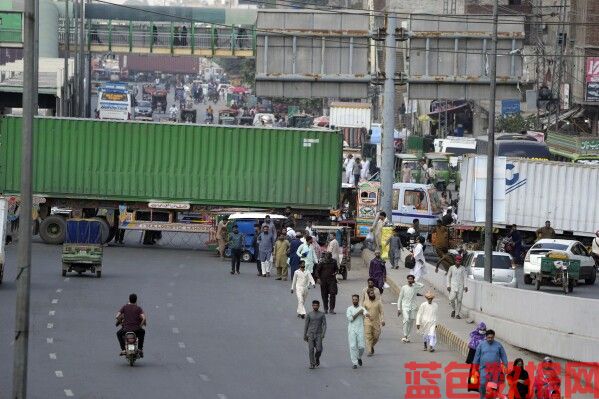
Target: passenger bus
x: 114, y: 102
x: 514, y: 145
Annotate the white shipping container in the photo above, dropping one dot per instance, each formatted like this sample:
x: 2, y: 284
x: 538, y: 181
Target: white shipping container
x: 354, y: 115
x: 567, y: 194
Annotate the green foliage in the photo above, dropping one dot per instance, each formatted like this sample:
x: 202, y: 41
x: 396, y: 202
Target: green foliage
x: 514, y: 123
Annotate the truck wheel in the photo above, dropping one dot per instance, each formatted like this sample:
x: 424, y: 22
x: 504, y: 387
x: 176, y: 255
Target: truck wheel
x: 527, y: 279
x: 98, y: 273
x: 592, y: 279
x: 105, y: 229
x: 53, y: 229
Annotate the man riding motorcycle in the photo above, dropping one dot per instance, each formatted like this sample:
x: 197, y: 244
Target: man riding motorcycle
x: 131, y: 318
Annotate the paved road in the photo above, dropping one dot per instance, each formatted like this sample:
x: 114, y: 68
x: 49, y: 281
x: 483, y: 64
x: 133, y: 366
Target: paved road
x: 210, y: 334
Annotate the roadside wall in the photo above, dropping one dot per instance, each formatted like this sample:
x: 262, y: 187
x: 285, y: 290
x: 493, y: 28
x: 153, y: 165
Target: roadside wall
x: 558, y: 325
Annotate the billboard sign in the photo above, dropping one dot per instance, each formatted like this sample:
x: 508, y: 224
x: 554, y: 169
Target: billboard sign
x: 592, y: 69
x: 510, y: 107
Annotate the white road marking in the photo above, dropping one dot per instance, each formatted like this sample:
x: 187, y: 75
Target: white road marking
x: 54, y: 301
x: 347, y: 384
x: 169, y: 305
x: 221, y: 396
x: 52, y: 313
x: 204, y: 377
x: 68, y: 392
x: 181, y: 345
x: 171, y: 317
x: 190, y: 360
x: 175, y: 330
x: 59, y: 290
x: 169, y: 294
x: 50, y: 325
x: 58, y: 374
x: 172, y: 283
x: 49, y: 340
x: 52, y: 356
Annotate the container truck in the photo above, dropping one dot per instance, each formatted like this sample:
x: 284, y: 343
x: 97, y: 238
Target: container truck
x: 533, y: 192
x: 150, y: 176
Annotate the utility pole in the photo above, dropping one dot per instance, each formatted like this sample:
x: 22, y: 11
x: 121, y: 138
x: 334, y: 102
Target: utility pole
x: 388, y: 150
x: 88, y: 72
x: 82, y: 98
x: 491, y: 150
x: 66, y: 86
x: 23, y: 283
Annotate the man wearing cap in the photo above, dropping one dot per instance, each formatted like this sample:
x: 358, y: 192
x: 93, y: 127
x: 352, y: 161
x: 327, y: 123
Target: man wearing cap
x: 378, y: 271
x: 456, y: 286
x: 426, y: 321
x: 406, y: 305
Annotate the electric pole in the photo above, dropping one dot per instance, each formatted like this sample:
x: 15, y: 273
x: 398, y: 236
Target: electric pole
x: 82, y: 98
x: 67, y: 45
x: 491, y: 150
x: 23, y: 280
x: 388, y: 150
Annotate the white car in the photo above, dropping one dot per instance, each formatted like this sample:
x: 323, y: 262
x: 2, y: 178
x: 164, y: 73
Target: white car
x: 575, y: 251
x: 503, y: 271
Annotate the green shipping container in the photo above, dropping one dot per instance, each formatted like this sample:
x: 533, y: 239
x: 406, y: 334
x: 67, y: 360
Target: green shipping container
x: 205, y: 165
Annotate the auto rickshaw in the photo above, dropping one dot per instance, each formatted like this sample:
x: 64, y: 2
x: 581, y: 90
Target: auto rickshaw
x: 440, y: 163
x: 82, y: 248
x: 410, y: 161
x: 557, y: 269
x: 343, y: 236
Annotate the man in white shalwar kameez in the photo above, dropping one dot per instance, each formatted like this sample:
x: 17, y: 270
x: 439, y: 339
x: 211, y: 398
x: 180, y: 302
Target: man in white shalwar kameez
x: 355, y: 331
x: 456, y: 285
x: 302, y: 279
x: 334, y: 248
x: 419, y: 268
x: 349, y: 167
x: 426, y: 321
x: 406, y: 305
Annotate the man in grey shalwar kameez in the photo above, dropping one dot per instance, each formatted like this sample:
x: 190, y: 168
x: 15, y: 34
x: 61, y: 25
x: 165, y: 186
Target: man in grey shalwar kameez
x: 266, y: 243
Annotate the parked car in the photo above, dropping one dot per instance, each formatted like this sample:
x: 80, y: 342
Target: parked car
x: 575, y: 251
x: 504, y: 269
x: 143, y: 110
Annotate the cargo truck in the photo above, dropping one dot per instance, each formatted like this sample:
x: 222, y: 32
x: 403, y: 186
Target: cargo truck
x: 152, y: 176
x: 532, y: 192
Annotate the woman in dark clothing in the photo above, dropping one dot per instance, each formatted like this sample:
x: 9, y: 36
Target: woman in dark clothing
x: 476, y: 337
x: 519, y: 381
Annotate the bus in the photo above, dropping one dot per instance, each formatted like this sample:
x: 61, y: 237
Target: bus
x: 114, y: 102
x: 514, y: 145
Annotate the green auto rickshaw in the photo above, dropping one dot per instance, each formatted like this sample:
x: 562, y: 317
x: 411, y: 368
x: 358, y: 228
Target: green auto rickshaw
x: 443, y: 172
x: 82, y: 248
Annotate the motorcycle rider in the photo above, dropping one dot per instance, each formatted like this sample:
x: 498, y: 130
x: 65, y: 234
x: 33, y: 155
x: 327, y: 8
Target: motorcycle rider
x: 131, y: 318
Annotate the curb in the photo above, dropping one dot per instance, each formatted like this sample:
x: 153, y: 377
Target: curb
x: 444, y: 333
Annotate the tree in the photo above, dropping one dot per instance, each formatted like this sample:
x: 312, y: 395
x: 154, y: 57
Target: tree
x: 514, y: 123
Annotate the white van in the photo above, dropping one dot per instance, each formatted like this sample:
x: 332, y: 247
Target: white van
x: 416, y: 201
x: 114, y: 102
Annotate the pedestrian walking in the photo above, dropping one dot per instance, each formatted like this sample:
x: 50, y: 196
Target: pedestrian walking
x: 440, y: 239
x: 364, y: 293
x: 307, y: 254
x: 221, y: 237
x: 406, y: 305
x: 348, y: 166
x: 294, y: 259
x: 375, y: 319
x: 378, y: 271
x: 355, y: 331
x: 491, y: 359
x: 377, y: 229
x: 419, y: 268
x: 334, y: 248
x: 266, y: 243
x: 300, y: 284
x: 257, y: 248
x: 281, y: 254
x: 395, y: 248
x: 519, y: 381
x: 184, y: 36
x: 456, y: 286
x: 326, y: 275
x: 315, y: 328
x: 271, y: 226
x: 426, y: 321
x: 236, y: 244
x: 365, y: 173
x: 476, y: 337
x: 357, y: 171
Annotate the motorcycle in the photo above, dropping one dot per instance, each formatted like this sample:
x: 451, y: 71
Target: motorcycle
x: 131, y: 348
